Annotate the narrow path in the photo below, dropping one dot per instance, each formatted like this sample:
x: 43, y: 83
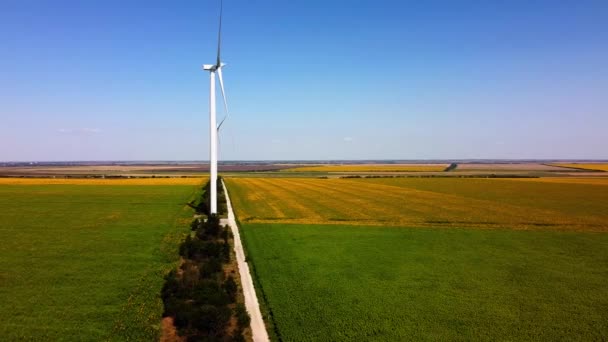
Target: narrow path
x: 258, y: 329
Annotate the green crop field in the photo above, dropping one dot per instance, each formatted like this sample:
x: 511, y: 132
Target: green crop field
x: 358, y: 283
x: 428, y: 258
x: 84, y: 260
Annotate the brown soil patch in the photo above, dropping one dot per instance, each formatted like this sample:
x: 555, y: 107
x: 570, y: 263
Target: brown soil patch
x: 169, y: 333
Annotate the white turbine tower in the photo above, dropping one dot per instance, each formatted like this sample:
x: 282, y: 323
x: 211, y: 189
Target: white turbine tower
x: 213, y: 126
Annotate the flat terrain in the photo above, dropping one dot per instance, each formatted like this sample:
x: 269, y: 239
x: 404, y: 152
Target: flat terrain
x: 141, y: 170
x: 370, y: 168
x: 297, y: 169
x: 84, y: 259
x: 357, y: 283
x: 586, y: 166
x: 395, y: 259
x: 498, y: 167
x: 539, y: 203
x: 101, y: 182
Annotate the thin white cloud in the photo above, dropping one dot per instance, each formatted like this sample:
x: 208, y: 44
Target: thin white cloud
x: 348, y: 139
x: 84, y: 130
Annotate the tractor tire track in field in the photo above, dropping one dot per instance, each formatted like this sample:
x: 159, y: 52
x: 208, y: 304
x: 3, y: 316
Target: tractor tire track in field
x: 487, y: 212
x: 512, y: 213
x: 288, y: 209
x: 258, y: 329
x: 256, y: 196
x: 324, y: 201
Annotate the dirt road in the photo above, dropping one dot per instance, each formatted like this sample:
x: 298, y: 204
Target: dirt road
x: 258, y: 329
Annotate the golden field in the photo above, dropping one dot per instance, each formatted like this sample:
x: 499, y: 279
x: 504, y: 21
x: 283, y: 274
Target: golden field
x: 371, y: 168
x: 507, y: 167
x: 587, y: 166
x: 566, y: 180
x: 103, y: 181
x: 424, y: 202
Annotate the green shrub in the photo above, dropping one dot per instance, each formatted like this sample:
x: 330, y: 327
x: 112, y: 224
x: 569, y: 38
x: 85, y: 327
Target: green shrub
x: 210, y: 268
x: 195, y: 224
x: 237, y: 336
x: 211, y: 320
x: 210, y: 228
x: 184, y: 247
x: 198, y: 297
x: 210, y: 292
x: 226, y: 252
x: 184, y: 312
x: 230, y: 287
x: 242, y: 316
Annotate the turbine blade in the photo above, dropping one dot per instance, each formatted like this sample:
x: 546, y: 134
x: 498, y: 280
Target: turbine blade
x: 219, y: 145
x: 219, y: 76
x: 221, y: 122
x: 219, y: 35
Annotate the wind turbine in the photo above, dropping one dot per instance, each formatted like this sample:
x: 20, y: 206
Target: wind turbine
x: 213, y: 126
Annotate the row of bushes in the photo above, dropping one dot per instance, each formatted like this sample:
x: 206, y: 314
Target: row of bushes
x: 201, y: 296
x: 202, y: 205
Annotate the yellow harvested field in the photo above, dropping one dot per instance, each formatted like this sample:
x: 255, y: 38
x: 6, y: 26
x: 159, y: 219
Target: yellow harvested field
x: 507, y: 167
x: 423, y: 202
x: 566, y: 180
x: 587, y: 166
x: 370, y: 168
x: 103, y: 181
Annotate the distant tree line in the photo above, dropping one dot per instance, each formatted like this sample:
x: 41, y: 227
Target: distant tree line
x: 200, y: 295
x: 451, y: 167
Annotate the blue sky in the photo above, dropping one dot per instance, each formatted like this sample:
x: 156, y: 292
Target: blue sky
x: 307, y: 79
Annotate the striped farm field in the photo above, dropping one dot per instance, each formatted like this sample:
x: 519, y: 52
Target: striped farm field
x: 587, y: 166
x: 423, y: 202
x: 371, y: 168
x: 417, y: 259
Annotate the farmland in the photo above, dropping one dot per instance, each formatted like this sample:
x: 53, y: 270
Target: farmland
x: 425, y: 202
x: 428, y: 258
x: 356, y: 283
x: 84, y: 259
x: 98, y: 182
x: 587, y: 166
x: 371, y: 168
x: 98, y: 169
x: 502, y: 167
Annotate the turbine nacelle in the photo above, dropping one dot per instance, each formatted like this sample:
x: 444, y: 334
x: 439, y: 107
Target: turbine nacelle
x: 213, y: 67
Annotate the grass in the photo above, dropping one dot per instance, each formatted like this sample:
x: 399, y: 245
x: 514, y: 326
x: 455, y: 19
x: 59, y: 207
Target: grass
x: 569, y: 204
x: 357, y: 283
x: 370, y: 168
x: 100, y: 181
x: 586, y: 166
x: 84, y: 259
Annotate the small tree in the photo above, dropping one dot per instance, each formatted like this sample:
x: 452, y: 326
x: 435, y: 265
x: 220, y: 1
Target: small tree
x: 230, y: 287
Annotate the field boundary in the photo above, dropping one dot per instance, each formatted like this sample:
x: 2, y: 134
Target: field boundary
x: 267, y: 313
x: 258, y: 329
x: 168, y: 251
x: 576, y: 168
